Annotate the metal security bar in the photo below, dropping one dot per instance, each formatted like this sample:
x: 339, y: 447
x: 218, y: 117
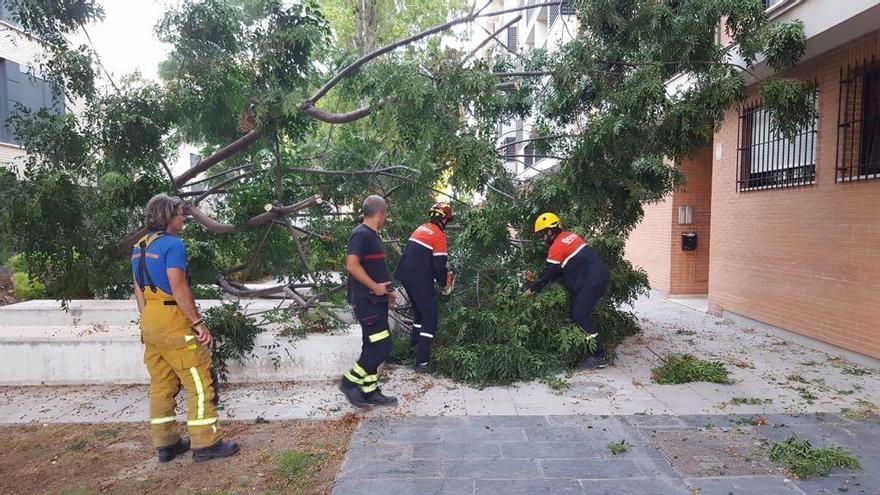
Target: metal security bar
x: 768, y: 160
x: 858, y: 122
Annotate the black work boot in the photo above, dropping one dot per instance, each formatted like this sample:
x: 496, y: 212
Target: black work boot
x: 219, y: 450
x: 377, y: 398
x: 353, y: 394
x: 168, y: 453
x: 422, y: 369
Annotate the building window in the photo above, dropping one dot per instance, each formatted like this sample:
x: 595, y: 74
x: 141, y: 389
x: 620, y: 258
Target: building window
x: 767, y: 159
x: 529, y: 155
x: 512, y: 38
x: 509, y: 148
x: 772, y: 3
x: 20, y: 88
x: 858, y: 129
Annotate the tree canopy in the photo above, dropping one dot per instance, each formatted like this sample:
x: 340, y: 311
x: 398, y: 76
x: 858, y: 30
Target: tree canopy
x: 295, y: 102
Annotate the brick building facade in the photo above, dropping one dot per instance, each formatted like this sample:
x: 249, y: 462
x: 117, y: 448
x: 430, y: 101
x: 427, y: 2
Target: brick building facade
x: 788, y: 231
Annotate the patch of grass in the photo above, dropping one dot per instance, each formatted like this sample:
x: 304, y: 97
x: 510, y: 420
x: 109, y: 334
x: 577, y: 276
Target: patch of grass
x: 556, y: 383
x: 79, y: 445
x: 401, y: 350
x: 290, y: 464
x: 749, y: 401
x: 794, y: 377
x: 855, y: 370
x: 846, y: 392
x: 618, y: 448
x: 685, y: 332
x: 866, y: 410
x: 753, y: 421
x: 108, y: 434
x: 803, y: 460
x: 685, y: 368
x: 806, y: 394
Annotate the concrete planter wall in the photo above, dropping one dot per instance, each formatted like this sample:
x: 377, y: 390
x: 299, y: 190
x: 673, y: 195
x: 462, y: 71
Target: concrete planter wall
x: 97, y: 342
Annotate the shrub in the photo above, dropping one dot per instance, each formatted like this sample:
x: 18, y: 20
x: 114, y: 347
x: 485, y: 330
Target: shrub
x: 27, y: 288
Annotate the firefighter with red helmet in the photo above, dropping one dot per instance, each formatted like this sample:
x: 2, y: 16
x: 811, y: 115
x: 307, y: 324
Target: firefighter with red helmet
x: 424, y: 261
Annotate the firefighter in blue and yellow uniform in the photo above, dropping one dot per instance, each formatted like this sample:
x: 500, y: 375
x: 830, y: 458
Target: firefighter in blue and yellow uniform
x: 369, y: 295
x: 423, y: 262
x: 175, y: 337
x: 584, y: 273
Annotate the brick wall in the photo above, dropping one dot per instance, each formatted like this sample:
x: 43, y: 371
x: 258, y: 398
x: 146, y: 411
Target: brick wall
x: 648, y: 246
x: 806, y: 259
x: 689, y: 270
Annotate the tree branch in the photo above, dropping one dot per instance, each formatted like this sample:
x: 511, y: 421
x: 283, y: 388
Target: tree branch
x: 539, y: 138
x: 221, y: 174
x: 218, y: 156
x: 223, y: 184
x: 378, y: 171
x: 491, y: 37
x: 310, y: 109
x: 263, y: 218
x: 526, y: 73
x: 348, y: 70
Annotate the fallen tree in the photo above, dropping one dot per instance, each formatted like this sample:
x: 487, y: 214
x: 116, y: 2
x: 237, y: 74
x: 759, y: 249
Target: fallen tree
x: 283, y: 115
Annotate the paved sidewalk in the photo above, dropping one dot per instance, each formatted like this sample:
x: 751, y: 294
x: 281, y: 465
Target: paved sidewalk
x: 667, y: 455
x: 777, y: 376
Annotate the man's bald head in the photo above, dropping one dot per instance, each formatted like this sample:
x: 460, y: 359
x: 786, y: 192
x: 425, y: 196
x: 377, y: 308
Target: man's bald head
x: 373, y: 206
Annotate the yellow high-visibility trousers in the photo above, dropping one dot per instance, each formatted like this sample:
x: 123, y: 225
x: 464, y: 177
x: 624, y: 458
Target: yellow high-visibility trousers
x: 173, y: 358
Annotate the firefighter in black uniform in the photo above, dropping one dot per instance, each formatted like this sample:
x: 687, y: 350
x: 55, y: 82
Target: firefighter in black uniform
x: 584, y: 273
x: 369, y: 295
x: 424, y: 261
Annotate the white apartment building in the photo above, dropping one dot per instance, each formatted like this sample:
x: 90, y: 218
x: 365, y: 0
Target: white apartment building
x: 547, y: 27
x: 20, y: 82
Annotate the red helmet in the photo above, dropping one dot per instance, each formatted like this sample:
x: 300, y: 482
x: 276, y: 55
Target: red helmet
x: 442, y: 211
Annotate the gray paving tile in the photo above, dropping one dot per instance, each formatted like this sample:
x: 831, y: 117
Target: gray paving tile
x: 509, y: 469
x: 515, y: 421
x: 562, y: 434
x: 659, y: 421
x: 529, y: 487
x: 400, y: 434
x: 591, y: 468
x: 750, y: 485
x: 862, y: 483
x: 483, y: 434
x: 419, y: 468
x: 419, y: 421
x: 658, y: 486
x: 403, y: 487
x: 456, y: 450
x: 552, y: 450
x: 360, y: 453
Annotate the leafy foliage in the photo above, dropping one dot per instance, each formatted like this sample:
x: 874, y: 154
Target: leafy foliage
x: 233, y: 333
x: 804, y: 460
x: 237, y: 66
x: 685, y: 368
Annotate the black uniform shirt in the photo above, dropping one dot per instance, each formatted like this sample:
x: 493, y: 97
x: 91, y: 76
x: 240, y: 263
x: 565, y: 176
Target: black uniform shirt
x: 364, y: 243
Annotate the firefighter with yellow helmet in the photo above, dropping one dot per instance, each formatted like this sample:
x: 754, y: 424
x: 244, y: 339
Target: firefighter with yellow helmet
x: 583, y: 272
x: 175, y: 337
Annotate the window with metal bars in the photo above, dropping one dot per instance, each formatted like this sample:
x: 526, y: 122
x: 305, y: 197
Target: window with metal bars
x: 529, y: 155
x: 509, y: 148
x: 512, y: 38
x: 858, y: 127
x: 767, y: 159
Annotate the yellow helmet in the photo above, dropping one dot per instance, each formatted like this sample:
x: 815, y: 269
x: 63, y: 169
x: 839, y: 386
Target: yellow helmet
x: 547, y: 221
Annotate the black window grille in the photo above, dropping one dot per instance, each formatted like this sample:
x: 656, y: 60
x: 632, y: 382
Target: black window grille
x: 768, y: 160
x: 509, y: 148
x: 858, y: 127
x: 552, y: 14
x: 528, y: 155
x: 512, y: 38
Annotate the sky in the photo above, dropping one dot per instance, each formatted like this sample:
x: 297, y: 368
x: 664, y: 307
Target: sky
x: 125, y: 39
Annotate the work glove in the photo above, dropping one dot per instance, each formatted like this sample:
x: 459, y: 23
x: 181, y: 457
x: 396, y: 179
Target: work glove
x: 450, y: 282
